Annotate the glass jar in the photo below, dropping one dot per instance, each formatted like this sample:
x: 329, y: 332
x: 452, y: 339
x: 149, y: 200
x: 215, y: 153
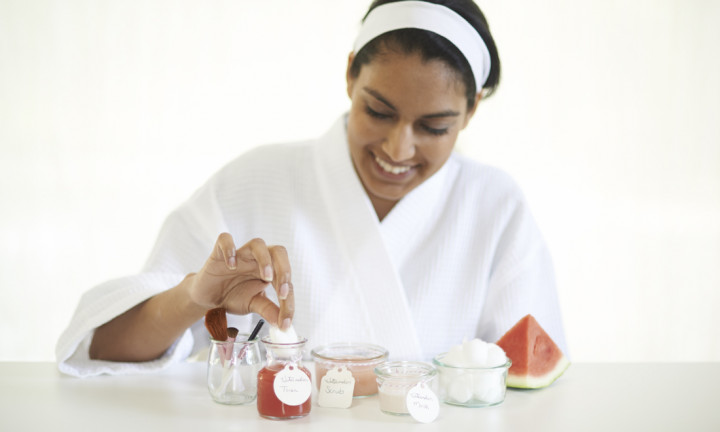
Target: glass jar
x: 232, y: 370
x: 359, y: 358
x: 284, y: 384
x: 395, y: 379
x: 472, y: 386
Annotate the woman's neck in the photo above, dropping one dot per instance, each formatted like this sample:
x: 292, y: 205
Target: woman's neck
x: 382, y: 206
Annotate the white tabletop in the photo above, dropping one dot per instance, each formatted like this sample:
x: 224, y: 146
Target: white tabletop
x: 588, y: 397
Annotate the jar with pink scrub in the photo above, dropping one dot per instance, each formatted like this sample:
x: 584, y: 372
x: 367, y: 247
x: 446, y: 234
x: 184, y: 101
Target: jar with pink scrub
x: 359, y: 358
x: 396, y: 379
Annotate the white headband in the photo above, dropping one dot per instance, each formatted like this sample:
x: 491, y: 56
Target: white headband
x: 432, y: 17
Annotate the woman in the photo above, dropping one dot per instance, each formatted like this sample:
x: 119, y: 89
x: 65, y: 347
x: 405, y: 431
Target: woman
x: 375, y: 232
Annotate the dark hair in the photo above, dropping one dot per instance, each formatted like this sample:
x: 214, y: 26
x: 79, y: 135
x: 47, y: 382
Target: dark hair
x: 433, y: 46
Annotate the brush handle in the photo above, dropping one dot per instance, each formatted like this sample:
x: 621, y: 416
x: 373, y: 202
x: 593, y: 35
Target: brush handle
x: 256, y: 330
x: 228, y: 373
x: 254, y: 333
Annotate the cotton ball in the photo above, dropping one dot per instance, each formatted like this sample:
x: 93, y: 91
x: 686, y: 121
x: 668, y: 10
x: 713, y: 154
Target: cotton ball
x: 455, y: 357
x: 495, y: 356
x: 283, y: 336
x: 498, y: 391
x: 460, y: 389
x: 482, y: 385
x: 476, y: 352
x: 448, y: 374
x: 488, y: 386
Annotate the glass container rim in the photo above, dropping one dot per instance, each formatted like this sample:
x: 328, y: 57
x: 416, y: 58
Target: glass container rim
x: 437, y: 361
x: 429, y: 370
x: 379, y: 351
x: 236, y: 341
x: 266, y: 341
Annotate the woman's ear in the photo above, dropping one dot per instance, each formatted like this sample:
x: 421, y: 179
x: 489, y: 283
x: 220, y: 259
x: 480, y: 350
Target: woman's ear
x: 348, y: 77
x: 472, y: 110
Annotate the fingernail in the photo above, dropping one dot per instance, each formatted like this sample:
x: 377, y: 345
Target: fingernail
x: 268, y: 273
x: 232, y: 262
x: 286, y: 324
x: 284, y: 290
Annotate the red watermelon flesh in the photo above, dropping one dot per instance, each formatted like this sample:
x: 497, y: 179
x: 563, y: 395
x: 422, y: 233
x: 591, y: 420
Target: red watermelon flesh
x: 536, y: 360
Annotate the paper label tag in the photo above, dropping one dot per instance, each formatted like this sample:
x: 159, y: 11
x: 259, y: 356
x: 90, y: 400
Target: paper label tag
x: 292, y: 386
x: 336, y: 388
x: 422, y: 403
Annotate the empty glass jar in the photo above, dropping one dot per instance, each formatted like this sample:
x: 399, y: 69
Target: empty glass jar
x: 232, y: 370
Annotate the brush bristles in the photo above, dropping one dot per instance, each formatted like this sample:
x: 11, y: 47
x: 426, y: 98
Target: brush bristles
x: 232, y: 332
x: 216, y: 324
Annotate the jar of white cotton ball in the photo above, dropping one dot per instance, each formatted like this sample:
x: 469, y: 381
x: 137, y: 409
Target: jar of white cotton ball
x: 473, y: 374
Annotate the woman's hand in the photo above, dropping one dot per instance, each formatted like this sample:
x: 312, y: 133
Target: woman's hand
x: 235, y: 279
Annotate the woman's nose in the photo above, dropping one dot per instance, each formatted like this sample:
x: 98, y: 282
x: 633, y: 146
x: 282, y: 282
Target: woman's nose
x: 399, y: 144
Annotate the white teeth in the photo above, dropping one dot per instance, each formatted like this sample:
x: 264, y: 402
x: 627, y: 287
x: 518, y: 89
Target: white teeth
x: 391, y: 168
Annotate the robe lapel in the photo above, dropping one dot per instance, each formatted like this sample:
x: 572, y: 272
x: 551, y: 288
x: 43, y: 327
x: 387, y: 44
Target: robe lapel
x: 357, y: 230
x: 406, y: 227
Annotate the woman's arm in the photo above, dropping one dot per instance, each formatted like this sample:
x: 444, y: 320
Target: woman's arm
x: 231, y: 278
x: 147, y: 330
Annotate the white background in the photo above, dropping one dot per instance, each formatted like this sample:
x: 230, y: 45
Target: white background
x: 608, y: 115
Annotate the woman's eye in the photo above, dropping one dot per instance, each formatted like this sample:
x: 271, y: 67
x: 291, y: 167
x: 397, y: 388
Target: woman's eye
x: 376, y: 114
x: 435, y: 131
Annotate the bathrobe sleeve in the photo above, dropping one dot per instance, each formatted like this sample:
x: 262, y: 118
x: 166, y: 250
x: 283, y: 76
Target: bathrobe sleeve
x: 522, y: 280
x: 184, y: 243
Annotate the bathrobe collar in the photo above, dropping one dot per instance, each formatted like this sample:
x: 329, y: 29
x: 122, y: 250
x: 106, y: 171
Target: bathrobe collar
x: 376, y: 251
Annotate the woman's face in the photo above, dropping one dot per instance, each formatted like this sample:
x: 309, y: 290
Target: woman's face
x: 404, y: 120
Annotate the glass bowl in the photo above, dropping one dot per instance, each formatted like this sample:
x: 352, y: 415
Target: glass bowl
x: 472, y: 386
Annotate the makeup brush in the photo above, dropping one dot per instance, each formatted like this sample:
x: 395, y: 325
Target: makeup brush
x: 253, y: 334
x: 256, y: 330
x: 228, y: 375
x: 216, y: 323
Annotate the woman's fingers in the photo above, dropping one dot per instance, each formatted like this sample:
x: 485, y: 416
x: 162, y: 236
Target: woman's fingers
x: 257, y: 251
x: 281, y: 268
x: 283, y: 285
x: 287, y: 308
x: 247, y: 269
x: 264, y: 307
x: 273, y: 266
x: 225, y: 251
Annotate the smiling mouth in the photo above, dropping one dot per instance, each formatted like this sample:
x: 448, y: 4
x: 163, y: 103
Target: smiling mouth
x: 392, y: 169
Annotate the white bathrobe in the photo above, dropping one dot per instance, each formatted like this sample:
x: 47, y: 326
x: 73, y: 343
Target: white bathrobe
x: 458, y: 257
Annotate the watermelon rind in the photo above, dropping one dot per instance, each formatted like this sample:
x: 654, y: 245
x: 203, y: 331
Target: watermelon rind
x: 539, y: 381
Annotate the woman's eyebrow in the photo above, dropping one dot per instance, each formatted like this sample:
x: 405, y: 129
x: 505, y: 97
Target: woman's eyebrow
x: 446, y: 113
x: 379, y: 97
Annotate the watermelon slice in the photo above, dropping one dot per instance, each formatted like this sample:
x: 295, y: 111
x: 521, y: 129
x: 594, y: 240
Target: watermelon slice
x: 536, y: 360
